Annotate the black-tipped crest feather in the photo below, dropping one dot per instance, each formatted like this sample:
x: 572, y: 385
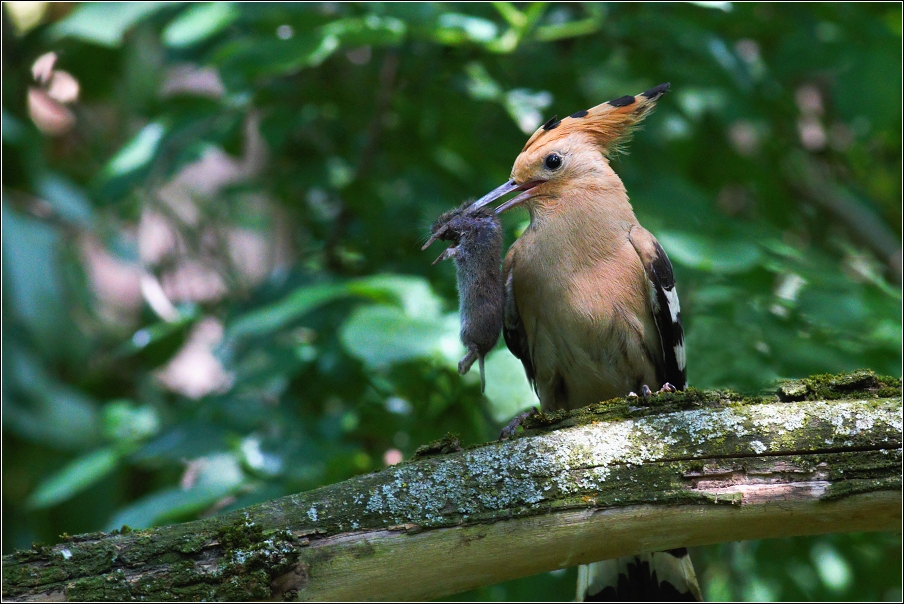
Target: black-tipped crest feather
x: 610, y: 124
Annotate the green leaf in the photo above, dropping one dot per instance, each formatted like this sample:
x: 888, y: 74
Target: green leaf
x: 168, y: 505
x: 40, y: 408
x: 74, y: 478
x: 218, y: 476
x: 158, y: 343
x: 199, y: 22
x: 833, y: 569
x: 508, y: 390
x: 273, y: 57
x: 371, y: 30
x: 269, y: 56
x: 13, y: 131
x: 138, y: 152
x: 31, y: 265
x: 481, y: 85
x: 726, y: 255
x: 511, y: 14
x: 67, y: 198
x: 275, y: 316
x: 105, y: 23
x: 526, y: 106
x: 723, y: 6
x: 186, y: 440
x: 127, y: 422
x: 382, y: 335
x: 414, y: 294
x: 457, y: 28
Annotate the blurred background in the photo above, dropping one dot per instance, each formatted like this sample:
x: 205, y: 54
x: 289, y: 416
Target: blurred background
x: 213, y: 292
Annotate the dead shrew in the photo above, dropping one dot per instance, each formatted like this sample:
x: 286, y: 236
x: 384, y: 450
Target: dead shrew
x: 476, y: 238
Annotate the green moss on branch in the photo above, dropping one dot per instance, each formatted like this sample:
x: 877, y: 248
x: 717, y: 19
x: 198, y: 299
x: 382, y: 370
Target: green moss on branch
x: 685, y: 449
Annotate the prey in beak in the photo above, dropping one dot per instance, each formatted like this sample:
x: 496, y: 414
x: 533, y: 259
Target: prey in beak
x: 441, y: 226
x: 476, y: 236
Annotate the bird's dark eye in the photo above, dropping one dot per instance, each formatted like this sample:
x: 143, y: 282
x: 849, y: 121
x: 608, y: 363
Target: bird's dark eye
x: 553, y: 161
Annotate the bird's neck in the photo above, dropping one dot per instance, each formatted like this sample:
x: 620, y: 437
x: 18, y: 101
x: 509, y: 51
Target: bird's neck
x: 593, y: 218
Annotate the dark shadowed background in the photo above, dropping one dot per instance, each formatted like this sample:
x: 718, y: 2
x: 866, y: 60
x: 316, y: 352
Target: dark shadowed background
x: 213, y: 293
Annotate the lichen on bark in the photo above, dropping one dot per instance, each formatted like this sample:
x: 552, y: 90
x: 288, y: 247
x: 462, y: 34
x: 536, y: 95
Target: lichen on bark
x: 815, y: 442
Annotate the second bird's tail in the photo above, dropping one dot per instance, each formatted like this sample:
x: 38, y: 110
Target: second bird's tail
x: 658, y: 577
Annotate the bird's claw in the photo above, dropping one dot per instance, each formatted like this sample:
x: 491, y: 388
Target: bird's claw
x: 513, y: 425
x: 647, y: 393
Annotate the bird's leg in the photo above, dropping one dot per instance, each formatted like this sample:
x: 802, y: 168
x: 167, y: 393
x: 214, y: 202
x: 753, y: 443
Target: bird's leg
x: 513, y: 425
x: 647, y: 393
x: 644, y: 391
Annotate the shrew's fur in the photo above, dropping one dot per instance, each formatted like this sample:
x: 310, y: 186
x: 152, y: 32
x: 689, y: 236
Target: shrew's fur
x: 476, y: 247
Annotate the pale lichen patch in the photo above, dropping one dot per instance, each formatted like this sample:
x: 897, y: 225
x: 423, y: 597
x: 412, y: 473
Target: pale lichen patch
x: 653, y: 456
x: 582, y: 459
x: 779, y: 418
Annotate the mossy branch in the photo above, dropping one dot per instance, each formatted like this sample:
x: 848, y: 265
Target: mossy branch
x: 622, y: 477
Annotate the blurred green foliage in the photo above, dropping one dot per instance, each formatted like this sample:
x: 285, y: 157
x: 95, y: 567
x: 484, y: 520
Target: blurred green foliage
x: 213, y: 293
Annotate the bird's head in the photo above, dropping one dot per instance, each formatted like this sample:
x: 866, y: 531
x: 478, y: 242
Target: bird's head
x: 564, y: 152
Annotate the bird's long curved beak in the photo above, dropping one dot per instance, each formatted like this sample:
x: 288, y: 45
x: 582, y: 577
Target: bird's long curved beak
x: 514, y: 201
x: 502, y: 190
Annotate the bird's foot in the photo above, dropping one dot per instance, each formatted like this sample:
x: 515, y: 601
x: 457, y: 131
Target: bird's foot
x: 647, y: 393
x: 513, y: 425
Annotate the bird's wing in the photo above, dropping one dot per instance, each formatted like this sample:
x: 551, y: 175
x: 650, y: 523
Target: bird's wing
x: 512, y: 327
x: 664, y: 304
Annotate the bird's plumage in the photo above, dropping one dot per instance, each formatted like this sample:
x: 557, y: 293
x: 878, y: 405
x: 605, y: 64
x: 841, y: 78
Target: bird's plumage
x: 579, y: 310
x: 609, y: 124
x: 591, y: 307
x: 665, y: 306
x: 655, y: 577
x: 590, y: 294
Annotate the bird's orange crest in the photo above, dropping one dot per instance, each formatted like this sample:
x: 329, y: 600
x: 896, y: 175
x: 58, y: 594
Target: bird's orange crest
x: 608, y: 124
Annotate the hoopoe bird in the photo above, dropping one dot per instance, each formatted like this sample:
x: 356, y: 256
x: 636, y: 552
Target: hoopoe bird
x: 591, y: 307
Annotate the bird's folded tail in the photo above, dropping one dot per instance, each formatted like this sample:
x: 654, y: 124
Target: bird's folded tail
x: 658, y: 577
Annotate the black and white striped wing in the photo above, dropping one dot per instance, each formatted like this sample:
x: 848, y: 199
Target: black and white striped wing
x: 665, y: 306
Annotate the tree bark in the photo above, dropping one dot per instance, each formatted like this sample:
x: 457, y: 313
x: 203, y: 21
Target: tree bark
x: 622, y: 477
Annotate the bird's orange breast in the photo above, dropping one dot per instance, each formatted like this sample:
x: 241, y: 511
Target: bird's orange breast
x: 583, y: 301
